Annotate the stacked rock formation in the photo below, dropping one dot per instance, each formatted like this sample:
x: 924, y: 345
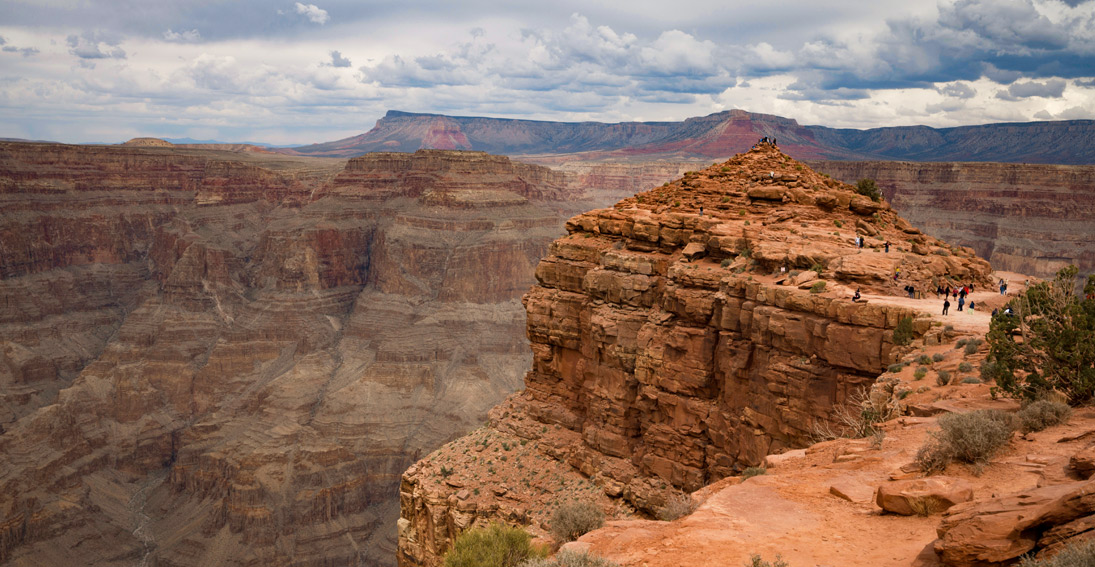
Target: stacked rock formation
x: 681, y: 336
x: 231, y: 357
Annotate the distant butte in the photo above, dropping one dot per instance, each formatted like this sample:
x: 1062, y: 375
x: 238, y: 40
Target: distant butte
x: 718, y: 136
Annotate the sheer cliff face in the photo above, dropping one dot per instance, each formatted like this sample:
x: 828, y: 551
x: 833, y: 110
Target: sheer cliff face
x: 670, y: 350
x: 230, y: 358
x: 1031, y: 219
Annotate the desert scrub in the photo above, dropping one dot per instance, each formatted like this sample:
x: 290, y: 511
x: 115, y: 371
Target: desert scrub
x: 920, y: 373
x: 895, y: 368
x: 924, y: 360
x: 972, y: 345
x: 903, y: 332
x: 496, y: 545
x: 943, y: 378
x: 725, y: 263
x: 971, y: 437
x: 755, y: 560
x: 567, y: 558
x: 573, y: 519
x: 753, y: 471
x: 1041, y: 414
x: 960, y: 343
x: 818, y: 287
x: 965, y: 367
x: 938, y: 357
x: 677, y: 506
x: 1080, y: 554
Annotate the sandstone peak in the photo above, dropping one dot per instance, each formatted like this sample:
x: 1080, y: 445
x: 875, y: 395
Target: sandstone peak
x: 682, y: 335
x: 149, y: 143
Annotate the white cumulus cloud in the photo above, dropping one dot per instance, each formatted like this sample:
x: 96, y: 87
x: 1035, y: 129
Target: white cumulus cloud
x: 314, y: 13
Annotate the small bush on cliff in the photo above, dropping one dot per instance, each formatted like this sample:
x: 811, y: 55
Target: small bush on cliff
x: 495, y: 546
x: 755, y: 560
x: 573, y: 519
x: 903, y: 332
x: 1080, y: 554
x: 570, y: 559
x: 677, y: 506
x: 1049, y: 341
x: 753, y: 471
x: 869, y: 188
x: 943, y: 378
x: 1041, y: 414
x: 971, y: 437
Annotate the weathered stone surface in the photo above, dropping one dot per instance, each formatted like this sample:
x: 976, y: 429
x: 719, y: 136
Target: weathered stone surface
x: 998, y: 530
x: 924, y: 496
x: 664, y: 372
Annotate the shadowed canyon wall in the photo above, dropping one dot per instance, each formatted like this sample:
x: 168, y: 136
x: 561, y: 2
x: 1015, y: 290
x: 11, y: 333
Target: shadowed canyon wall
x: 1025, y: 218
x: 230, y: 358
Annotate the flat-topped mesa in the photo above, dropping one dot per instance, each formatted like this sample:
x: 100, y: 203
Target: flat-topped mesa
x: 454, y: 178
x: 683, y: 335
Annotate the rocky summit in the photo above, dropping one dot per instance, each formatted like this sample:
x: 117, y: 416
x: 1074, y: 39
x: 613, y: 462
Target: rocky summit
x: 681, y: 336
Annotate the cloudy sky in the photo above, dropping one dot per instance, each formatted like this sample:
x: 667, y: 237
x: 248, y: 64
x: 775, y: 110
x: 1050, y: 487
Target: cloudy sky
x: 285, y: 72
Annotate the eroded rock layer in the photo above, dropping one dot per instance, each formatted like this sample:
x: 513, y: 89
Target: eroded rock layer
x: 681, y: 336
x: 230, y: 358
x: 1032, y: 219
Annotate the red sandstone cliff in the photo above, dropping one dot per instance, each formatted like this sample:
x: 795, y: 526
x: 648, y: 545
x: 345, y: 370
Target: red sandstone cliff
x: 670, y: 350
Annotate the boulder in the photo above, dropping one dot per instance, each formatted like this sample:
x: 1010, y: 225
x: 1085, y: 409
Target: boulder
x: 767, y: 193
x: 923, y: 496
x: 1083, y: 462
x: 999, y: 530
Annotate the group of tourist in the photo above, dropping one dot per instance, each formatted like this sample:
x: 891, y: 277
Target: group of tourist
x: 958, y: 293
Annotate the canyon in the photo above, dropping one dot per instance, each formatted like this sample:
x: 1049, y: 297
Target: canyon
x: 230, y: 356
x: 219, y: 357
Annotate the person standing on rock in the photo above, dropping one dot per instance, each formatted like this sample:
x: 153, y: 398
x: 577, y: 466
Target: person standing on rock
x: 961, y: 301
x: 887, y: 246
x: 946, y: 305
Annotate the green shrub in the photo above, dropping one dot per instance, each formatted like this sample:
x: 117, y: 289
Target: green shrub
x: 1079, y: 554
x: 1041, y: 414
x: 972, y: 437
x: 971, y: 380
x: 924, y: 360
x: 938, y: 357
x: 570, y: 559
x: 1056, y: 348
x: 495, y: 546
x: 960, y: 343
x: 755, y: 560
x: 920, y: 373
x: 818, y: 287
x: 943, y: 378
x: 725, y: 262
x: 573, y: 519
x: 895, y: 368
x: 869, y: 188
x: 965, y: 367
x: 753, y: 471
x: 972, y: 345
x: 903, y: 332
x: 676, y: 506
x: 838, y: 223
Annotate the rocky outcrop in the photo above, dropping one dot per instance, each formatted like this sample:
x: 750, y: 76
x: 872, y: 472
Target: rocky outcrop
x: 670, y: 350
x: 231, y: 357
x: 1032, y: 219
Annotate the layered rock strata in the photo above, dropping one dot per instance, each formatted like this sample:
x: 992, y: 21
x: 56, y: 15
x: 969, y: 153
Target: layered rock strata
x: 1032, y: 219
x: 230, y: 357
x: 681, y: 336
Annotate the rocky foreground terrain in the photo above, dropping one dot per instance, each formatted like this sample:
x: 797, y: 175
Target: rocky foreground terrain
x: 214, y: 358
x: 681, y: 336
